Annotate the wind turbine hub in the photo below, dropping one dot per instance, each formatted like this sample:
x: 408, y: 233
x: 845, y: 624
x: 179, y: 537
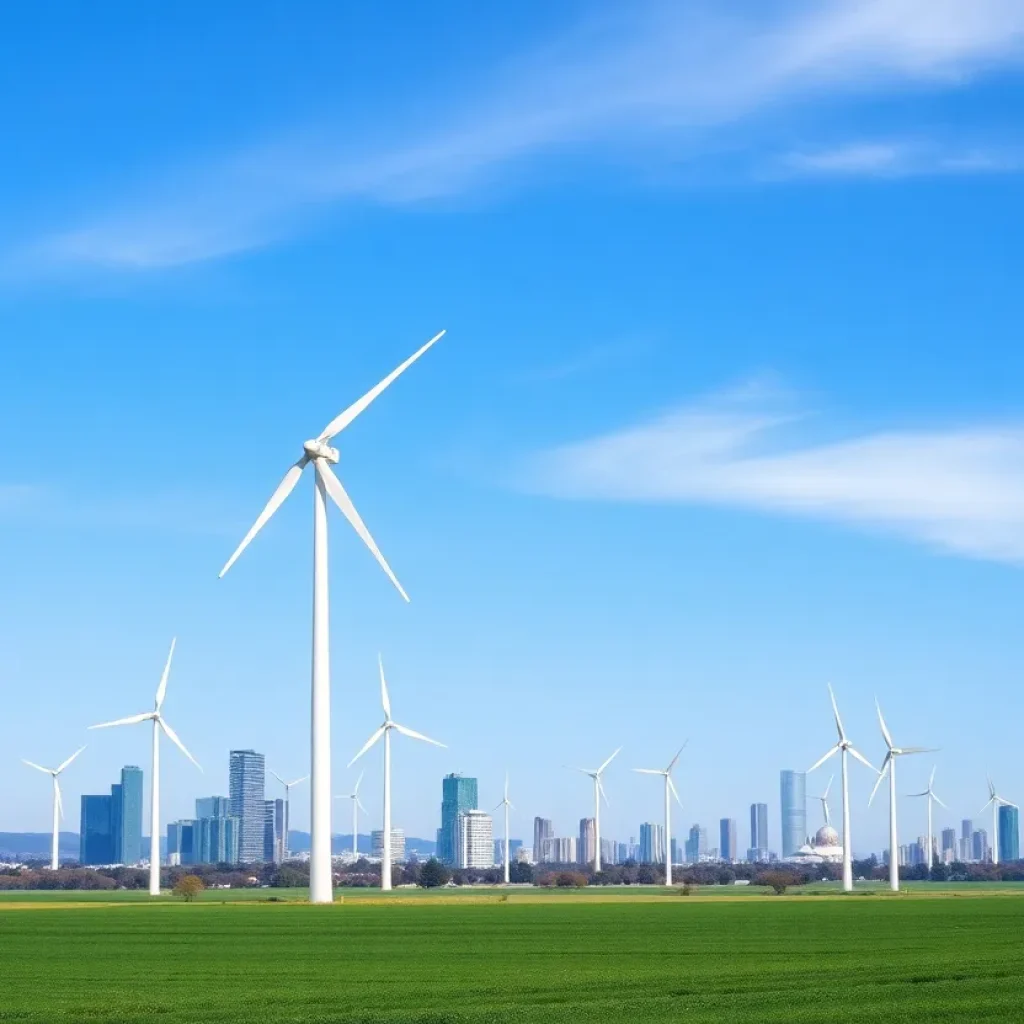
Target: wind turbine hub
x: 319, y: 450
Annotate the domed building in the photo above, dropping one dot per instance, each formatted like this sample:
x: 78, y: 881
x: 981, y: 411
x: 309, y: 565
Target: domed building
x: 825, y: 847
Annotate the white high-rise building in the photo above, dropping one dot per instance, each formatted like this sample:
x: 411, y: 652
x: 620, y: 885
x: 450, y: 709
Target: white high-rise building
x: 475, y: 840
x: 397, y: 844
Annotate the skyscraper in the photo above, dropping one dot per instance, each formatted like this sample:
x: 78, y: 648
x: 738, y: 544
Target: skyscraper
x: 273, y: 831
x: 130, y: 824
x: 1009, y: 834
x: 949, y: 841
x: 397, y: 844
x: 213, y: 807
x: 245, y: 784
x: 728, y: 848
x: 458, y: 794
x: 966, y: 828
x: 542, y: 830
x: 586, y: 845
x: 759, y: 826
x: 696, y: 844
x: 96, y: 840
x: 475, y: 839
x: 979, y: 845
x: 793, y: 793
x: 652, y: 843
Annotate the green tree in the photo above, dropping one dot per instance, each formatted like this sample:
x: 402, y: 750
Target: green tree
x: 188, y: 887
x: 433, y: 874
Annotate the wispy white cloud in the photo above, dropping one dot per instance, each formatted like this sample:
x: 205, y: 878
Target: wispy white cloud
x: 957, y: 489
x: 895, y: 159
x: 649, y: 73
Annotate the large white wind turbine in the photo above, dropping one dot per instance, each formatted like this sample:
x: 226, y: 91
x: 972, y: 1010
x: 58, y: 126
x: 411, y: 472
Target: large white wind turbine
x: 995, y: 801
x: 357, y: 806
x: 889, y: 765
x: 385, y: 731
x: 670, y: 787
x: 844, y: 747
x: 599, y: 792
x: 930, y: 793
x: 323, y: 456
x: 288, y: 787
x: 58, y: 806
x: 156, y: 717
x: 824, y: 800
x: 507, y: 804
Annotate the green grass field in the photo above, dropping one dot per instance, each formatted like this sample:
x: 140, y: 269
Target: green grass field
x: 761, y: 959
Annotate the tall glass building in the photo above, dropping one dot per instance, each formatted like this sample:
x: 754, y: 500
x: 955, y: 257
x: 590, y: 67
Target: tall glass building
x: 728, y: 846
x: 1009, y: 833
x: 793, y: 799
x: 213, y: 807
x: 129, y: 822
x: 759, y: 827
x: 652, y: 843
x: 543, y: 830
x: 96, y: 840
x: 458, y: 795
x: 246, y: 787
x: 273, y: 831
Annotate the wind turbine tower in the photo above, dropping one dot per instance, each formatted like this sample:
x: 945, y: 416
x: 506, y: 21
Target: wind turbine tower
x: 843, y: 747
x: 288, y: 787
x: 595, y: 774
x: 58, y: 806
x: 995, y: 801
x: 507, y: 804
x: 357, y: 806
x: 385, y: 730
x: 323, y: 456
x: 670, y: 791
x: 930, y: 794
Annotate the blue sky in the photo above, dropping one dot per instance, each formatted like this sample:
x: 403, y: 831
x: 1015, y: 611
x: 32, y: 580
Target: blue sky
x: 729, y: 404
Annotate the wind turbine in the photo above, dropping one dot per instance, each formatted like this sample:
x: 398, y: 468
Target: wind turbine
x: 357, y: 806
x: 889, y: 765
x: 824, y: 800
x: 844, y: 747
x: 385, y: 731
x: 996, y: 801
x: 156, y: 717
x: 930, y: 793
x: 58, y: 806
x: 323, y: 456
x: 598, y: 793
x: 506, y: 803
x: 288, y: 787
x: 669, y: 787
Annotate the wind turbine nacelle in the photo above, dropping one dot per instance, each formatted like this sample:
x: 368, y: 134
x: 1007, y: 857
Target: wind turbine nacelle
x: 319, y: 450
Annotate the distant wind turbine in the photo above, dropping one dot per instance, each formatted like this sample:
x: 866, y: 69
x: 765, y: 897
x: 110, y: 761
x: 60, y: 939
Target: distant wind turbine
x: 844, y: 747
x: 507, y: 804
x: 824, y: 801
x: 323, y: 456
x: 670, y: 788
x: 357, y: 806
x: 995, y: 801
x: 58, y: 806
x: 599, y: 792
x: 288, y: 787
x: 930, y: 793
x: 385, y: 731
x: 156, y: 717
x: 889, y: 765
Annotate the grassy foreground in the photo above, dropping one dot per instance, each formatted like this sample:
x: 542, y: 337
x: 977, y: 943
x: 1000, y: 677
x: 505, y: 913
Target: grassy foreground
x: 758, y: 960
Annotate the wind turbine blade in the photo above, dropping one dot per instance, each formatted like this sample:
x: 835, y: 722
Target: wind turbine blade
x: 672, y: 763
x: 284, y: 488
x: 500, y: 803
x: 835, y: 711
x: 340, y: 498
x: 173, y: 737
x: 38, y: 767
x: 161, y: 690
x: 585, y: 771
x: 863, y: 760
x: 412, y: 734
x: 506, y: 786
x: 359, y: 804
x: 925, y: 793
x: 56, y: 793
x: 69, y: 760
x: 343, y: 419
x: 609, y: 761
x: 881, y: 722
x: 931, y: 778
x: 828, y: 788
x: 881, y: 775
x: 822, y: 760
x: 278, y: 777
x: 366, y: 746
x: 991, y: 786
x: 918, y: 750
x: 359, y: 782
x: 385, y: 700
x: 131, y: 720
x: 650, y: 771
x: 298, y: 782
x: 938, y: 801
x: 600, y: 788
x: 672, y: 786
